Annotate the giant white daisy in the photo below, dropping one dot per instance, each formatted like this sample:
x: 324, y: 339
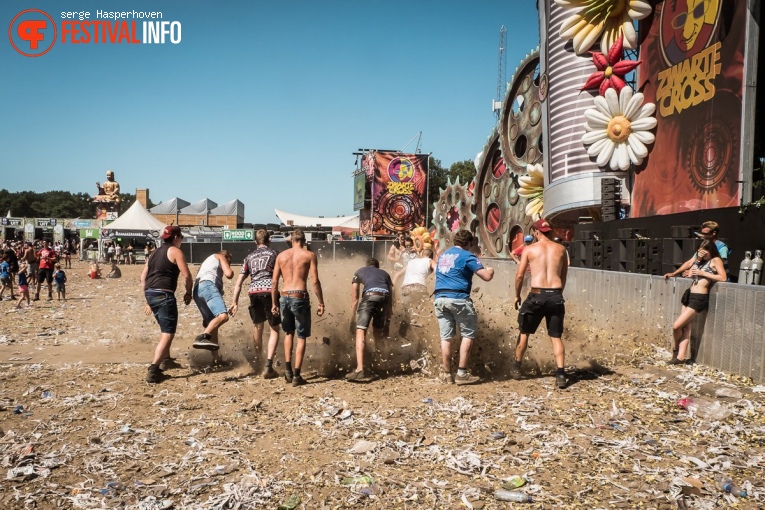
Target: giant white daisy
x: 606, y: 18
x: 532, y: 189
x: 618, y: 129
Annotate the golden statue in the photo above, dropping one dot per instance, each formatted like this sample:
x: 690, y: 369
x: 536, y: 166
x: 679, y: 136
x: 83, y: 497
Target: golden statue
x: 109, y: 191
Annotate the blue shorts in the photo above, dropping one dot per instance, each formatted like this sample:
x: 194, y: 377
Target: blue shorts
x: 371, y: 309
x: 296, y: 315
x: 209, y: 301
x: 451, y: 312
x: 165, y: 309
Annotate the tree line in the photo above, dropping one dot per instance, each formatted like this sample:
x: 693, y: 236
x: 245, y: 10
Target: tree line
x: 54, y: 204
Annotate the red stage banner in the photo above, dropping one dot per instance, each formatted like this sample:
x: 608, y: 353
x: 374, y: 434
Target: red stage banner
x: 399, y: 184
x: 693, y: 69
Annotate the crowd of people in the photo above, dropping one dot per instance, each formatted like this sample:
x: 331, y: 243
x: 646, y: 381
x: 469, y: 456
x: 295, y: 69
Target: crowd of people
x: 32, y: 264
x: 287, y: 307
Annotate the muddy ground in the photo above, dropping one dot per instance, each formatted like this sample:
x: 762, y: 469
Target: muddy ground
x: 79, y: 427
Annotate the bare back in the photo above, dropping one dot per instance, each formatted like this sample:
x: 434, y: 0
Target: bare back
x: 548, y: 263
x: 295, y: 265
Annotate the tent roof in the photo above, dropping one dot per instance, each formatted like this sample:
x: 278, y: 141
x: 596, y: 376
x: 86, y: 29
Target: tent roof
x: 202, y: 207
x: 232, y: 208
x: 351, y: 222
x: 136, y: 218
x: 171, y: 206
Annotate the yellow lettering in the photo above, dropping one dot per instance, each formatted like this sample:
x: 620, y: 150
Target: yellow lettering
x: 689, y: 83
x: 400, y: 188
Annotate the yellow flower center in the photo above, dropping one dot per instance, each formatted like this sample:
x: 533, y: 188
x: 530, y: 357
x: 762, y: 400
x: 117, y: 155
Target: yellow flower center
x: 609, y: 71
x: 619, y: 129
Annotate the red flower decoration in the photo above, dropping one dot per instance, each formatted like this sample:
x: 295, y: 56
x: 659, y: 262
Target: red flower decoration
x: 611, y: 70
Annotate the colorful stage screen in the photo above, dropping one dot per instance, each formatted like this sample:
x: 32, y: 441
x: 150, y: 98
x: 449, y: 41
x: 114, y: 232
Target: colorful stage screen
x: 693, y: 69
x: 399, y: 184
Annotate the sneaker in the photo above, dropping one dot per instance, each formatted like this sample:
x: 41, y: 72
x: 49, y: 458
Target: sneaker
x: 169, y: 363
x: 689, y: 362
x: 356, y: 376
x: 675, y: 361
x: 270, y: 373
x: 204, y: 341
x: 560, y: 381
x: 466, y: 379
x: 298, y: 381
x: 288, y: 376
x: 155, y: 375
x: 447, y: 378
x: 515, y: 371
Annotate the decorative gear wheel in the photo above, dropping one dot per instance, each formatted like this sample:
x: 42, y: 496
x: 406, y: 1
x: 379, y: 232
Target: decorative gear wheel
x: 500, y: 212
x: 520, y: 122
x: 452, y: 212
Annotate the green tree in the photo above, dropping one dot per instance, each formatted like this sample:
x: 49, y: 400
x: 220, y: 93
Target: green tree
x: 437, y: 176
x: 465, y: 170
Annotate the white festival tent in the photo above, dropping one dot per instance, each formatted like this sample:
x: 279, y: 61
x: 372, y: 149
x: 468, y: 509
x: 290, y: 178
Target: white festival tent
x: 135, y: 222
x: 346, y: 222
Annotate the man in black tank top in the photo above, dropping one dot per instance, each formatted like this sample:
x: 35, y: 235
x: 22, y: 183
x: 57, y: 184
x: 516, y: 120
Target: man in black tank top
x: 158, y: 281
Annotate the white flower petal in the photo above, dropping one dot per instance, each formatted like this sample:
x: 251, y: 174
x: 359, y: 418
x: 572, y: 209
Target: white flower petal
x: 623, y: 156
x: 637, y: 146
x: 594, y: 136
x: 613, y: 162
x: 643, y: 124
x: 586, y: 37
x: 613, y: 102
x: 602, y: 106
x: 633, y: 105
x: 572, y: 26
x: 598, y: 146
x: 645, y: 137
x: 639, y: 9
x: 646, y: 111
x: 606, y: 154
x: 624, y: 100
x: 596, y: 118
x: 630, y: 36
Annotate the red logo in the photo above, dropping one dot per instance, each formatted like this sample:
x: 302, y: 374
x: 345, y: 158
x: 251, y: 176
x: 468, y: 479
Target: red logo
x: 32, y: 33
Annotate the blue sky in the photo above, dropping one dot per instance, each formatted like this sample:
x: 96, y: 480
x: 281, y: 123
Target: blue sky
x: 261, y: 101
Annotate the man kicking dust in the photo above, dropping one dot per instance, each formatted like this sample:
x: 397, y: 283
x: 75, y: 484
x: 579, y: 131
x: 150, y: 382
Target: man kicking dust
x: 295, y: 265
x: 549, y: 267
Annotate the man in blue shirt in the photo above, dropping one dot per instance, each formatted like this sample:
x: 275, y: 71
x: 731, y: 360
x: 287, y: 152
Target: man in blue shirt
x: 454, y: 280
x: 709, y: 230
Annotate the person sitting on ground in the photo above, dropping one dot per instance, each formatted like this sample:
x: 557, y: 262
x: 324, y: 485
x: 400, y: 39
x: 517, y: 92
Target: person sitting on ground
x: 208, y: 295
x: 94, y: 271
x: 115, y: 271
x: 375, y: 307
x: 706, y: 268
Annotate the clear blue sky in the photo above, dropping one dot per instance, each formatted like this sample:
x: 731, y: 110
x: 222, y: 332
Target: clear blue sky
x: 261, y: 101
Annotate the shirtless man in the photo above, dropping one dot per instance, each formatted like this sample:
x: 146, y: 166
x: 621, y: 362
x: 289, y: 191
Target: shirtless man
x: 30, y: 257
x: 548, y: 264
x: 394, y: 254
x: 295, y: 265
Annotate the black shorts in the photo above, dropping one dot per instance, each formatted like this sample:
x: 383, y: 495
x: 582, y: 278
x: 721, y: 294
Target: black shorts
x: 45, y: 274
x: 697, y: 302
x: 260, y: 310
x: 371, y: 309
x: 550, y: 305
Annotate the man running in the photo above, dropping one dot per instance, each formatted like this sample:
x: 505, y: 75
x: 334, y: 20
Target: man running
x: 454, y: 281
x: 295, y: 265
x: 259, y: 265
x: 375, y: 308
x: 549, y: 267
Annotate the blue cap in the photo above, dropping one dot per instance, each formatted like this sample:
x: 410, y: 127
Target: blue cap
x: 528, y: 239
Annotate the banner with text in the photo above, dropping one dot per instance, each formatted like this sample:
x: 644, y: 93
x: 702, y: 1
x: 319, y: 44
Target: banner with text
x: 399, y: 184
x: 238, y: 235
x: 692, y: 70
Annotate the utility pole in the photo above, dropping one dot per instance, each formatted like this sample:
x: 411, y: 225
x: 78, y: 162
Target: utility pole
x: 496, y: 105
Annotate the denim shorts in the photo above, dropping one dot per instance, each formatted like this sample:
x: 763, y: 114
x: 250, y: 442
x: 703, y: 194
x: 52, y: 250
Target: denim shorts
x: 165, y: 309
x: 371, y: 310
x: 450, y: 312
x: 209, y: 301
x: 296, y: 315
